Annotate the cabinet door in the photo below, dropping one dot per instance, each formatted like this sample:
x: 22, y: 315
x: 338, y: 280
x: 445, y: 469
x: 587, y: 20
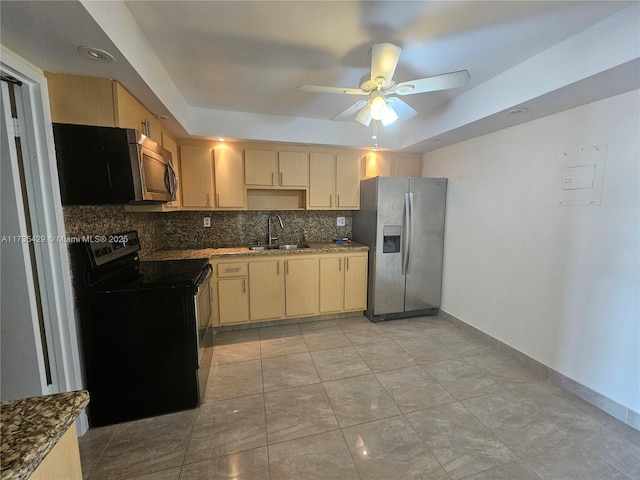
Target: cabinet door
x: 293, y: 169
x: 233, y: 300
x: 331, y: 284
x: 197, y: 176
x: 130, y: 113
x: 81, y: 100
x: 355, y: 282
x: 408, y: 167
x: 260, y: 167
x: 378, y: 166
x: 322, y: 177
x: 229, y: 177
x: 301, y: 288
x: 266, y: 283
x: 348, y: 181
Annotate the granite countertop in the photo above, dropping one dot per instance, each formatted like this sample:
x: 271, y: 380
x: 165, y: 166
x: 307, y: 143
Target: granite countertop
x: 244, y: 251
x: 32, y: 426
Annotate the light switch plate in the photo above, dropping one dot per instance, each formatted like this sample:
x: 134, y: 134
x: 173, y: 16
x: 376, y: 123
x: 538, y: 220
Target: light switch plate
x: 207, y: 221
x: 340, y: 221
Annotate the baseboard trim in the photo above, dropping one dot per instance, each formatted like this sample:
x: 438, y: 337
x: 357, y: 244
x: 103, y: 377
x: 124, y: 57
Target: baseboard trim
x: 611, y: 407
x: 285, y: 321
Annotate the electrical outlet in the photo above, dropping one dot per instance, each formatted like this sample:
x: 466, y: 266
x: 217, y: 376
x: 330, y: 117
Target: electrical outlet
x: 340, y: 221
x: 207, y: 221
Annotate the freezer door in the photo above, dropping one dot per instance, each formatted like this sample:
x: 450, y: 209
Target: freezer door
x: 389, y: 288
x: 424, y: 272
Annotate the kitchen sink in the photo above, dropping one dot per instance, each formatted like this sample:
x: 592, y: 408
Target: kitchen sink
x: 289, y: 246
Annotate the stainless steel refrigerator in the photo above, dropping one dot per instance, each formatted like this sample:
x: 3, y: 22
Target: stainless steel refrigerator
x: 402, y: 222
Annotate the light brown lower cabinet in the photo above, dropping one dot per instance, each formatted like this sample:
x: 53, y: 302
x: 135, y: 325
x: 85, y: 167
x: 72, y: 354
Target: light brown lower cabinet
x: 231, y: 293
x: 63, y: 461
x: 266, y: 284
x: 277, y: 287
x: 343, y: 283
x: 301, y: 286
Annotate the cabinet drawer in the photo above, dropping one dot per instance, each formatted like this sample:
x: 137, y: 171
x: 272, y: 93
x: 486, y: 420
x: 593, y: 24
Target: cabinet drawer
x: 232, y: 269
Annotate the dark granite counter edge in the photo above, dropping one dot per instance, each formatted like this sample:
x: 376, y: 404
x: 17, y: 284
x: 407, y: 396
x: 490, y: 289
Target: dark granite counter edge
x: 31, y: 427
x: 315, y: 248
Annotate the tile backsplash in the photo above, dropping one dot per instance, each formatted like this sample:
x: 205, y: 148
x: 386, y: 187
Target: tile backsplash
x: 107, y: 220
x: 232, y: 229
x: 185, y: 229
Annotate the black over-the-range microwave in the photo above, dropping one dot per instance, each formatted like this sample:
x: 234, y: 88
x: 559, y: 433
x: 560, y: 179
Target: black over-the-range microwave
x: 112, y: 166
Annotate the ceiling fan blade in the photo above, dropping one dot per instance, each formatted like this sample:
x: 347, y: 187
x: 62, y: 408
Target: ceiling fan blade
x: 403, y: 109
x: 364, y: 117
x: 321, y: 89
x: 350, y: 111
x: 384, y: 59
x: 432, y: 84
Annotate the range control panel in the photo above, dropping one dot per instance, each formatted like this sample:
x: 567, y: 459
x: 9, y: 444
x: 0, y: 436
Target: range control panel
x: 107, y: 248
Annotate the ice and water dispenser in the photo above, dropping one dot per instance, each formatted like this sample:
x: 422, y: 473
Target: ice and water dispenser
x: 391, y: 238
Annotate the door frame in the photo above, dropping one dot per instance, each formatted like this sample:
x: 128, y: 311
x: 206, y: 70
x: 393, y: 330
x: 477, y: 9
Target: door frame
x: 52, y: 257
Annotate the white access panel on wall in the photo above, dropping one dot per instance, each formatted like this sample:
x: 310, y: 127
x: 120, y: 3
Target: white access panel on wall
x: 581, y: 176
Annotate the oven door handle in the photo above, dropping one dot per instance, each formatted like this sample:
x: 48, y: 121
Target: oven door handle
x: 204, y: 277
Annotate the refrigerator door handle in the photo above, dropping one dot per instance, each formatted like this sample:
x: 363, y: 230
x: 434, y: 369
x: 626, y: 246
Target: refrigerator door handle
x: 405, y: 240
x: 410, y: 234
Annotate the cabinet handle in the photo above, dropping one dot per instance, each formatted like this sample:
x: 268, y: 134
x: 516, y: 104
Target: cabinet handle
x: 218, y: 199
x: 281, y: 179
x: 278, y: 268
x: 272, y: 178
x: 208, y: 199
x: 347, y: 263
x: 330, y: 200
x: 337, y: 200
x: 244, y: 285
x: 340, y: 264
x: 146, y: 126
x: 286, y: 264
x: 231, y: 270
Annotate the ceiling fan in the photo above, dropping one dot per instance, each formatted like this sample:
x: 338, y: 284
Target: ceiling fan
x: 380, y: 85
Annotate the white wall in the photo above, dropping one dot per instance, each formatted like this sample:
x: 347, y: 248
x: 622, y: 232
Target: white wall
x: 558, y: 283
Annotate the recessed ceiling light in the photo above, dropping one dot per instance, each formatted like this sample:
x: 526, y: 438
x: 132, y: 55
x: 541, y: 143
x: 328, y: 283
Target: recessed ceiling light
x: 437, y: 139
x: 221, y: 139
x: 516, y: 111
x: 160, y: 116
x: 96, y: 54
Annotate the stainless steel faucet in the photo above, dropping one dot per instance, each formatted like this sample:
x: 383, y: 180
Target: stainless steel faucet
x: 272, y: 238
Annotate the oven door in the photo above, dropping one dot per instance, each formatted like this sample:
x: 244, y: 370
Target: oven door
x: 202, y: 301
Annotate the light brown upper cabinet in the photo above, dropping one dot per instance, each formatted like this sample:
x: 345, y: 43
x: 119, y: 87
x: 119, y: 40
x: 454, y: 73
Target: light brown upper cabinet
x: 348, y: 181
x: 131, y: 114
x: 229, y: 177
x: 98, y: 101
x: 196, y: 167
x: 334, y: 181
x: 408, y: 167
x: 386, y: 166
x: 264, y: 168
x: 293, y: 169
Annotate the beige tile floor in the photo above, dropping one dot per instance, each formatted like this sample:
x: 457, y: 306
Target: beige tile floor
x: 348, y: 399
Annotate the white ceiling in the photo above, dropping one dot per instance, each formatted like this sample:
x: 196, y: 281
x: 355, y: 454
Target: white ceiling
x: 232, y: 67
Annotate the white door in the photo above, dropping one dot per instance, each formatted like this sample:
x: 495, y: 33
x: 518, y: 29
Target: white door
x: 25, y: 366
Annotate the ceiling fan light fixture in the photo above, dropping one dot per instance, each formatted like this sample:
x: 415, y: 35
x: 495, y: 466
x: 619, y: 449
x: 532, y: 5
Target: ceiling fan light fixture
x: 378, y: 107
x: 389, y: 116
